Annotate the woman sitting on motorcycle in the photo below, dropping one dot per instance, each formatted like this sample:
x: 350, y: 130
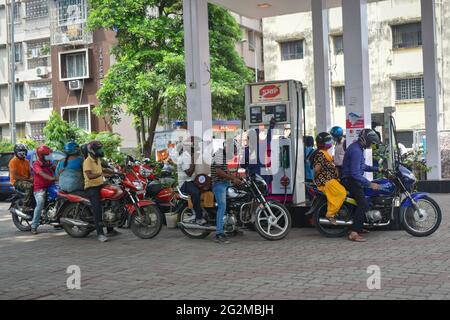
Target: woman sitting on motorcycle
x: 69, y: 170
x: 326, y: 175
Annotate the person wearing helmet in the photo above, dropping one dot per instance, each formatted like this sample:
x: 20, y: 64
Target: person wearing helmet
x: 353, y: 168
x: 339, y: 150
x: 326, y: 176
x: 20, y: 174
x: 43, y: 178
x: 69, y: 170
x: 93, y: 180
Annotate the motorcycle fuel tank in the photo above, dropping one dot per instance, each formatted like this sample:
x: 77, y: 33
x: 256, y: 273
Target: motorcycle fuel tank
x: 110, y: 192
x: 387, y: 188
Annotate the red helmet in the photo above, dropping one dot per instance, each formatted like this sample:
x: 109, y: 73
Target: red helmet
x: 43, y: 151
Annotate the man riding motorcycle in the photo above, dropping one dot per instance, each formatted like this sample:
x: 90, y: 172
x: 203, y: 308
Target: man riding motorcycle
x: 20, y: 174
x: 353, y: 168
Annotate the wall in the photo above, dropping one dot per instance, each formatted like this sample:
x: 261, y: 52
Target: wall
x: 386, y: 64
x: 99, y: 63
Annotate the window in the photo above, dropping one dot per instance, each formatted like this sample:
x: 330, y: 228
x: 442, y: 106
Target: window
x: 17, y: 8
x: 20, y: 130
x: 78, y: 116
x: 71, y: 12
x: 407, y: 35
x: 36, y: 9
x: 40, y: 95
x: 37, y: 131
x: 18, y: 52
x: 38, y: 53
x: 292, y: 50
x: 19, y: 92
x: 409, y: 89
x: 74, y: 65
x: 339, y: 96
x: 251, y: 40
x: 338, y: 45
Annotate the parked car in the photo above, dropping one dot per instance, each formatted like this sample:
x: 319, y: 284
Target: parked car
x: 5, y: 185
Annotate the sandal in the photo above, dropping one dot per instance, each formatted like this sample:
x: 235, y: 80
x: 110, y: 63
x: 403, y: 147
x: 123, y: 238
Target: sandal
x: 332, y: 220
x: 354, y: 236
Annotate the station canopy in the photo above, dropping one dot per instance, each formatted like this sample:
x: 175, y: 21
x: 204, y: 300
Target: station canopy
x: 269, y: 8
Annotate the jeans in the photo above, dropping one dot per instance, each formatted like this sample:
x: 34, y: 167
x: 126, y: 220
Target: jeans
x: 191, y: 189
x: 357, y: 192
x: 93, y: 194
x: 27, y: 188
x: 220, y: 193
x: 40, y: 202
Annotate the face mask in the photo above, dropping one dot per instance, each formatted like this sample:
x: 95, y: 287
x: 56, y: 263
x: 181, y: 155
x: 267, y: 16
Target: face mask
x: 328, y: 145
x: 100, y: 153
x: 21, y: 155
x: 48, y: 157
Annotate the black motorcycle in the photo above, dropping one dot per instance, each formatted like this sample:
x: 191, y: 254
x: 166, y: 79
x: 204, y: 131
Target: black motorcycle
x: 246, y: 206
x: 22, y: 220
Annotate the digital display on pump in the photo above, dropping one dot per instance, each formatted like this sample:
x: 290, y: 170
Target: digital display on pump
x: 255, y: 114
x: 280, y: 113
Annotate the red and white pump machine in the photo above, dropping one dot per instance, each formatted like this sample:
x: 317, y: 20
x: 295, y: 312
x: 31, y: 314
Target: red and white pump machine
x: 276, y: 109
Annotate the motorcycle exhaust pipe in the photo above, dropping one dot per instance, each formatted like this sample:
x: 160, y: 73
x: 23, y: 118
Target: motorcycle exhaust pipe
x: 73, y: 222
x: 339, y: 222
x: 21, y: 214
x: 195, y: 226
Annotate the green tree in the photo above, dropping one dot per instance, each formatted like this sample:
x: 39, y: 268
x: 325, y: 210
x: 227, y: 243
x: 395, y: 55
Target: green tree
x: 149, y: 71
x: 57, y: 132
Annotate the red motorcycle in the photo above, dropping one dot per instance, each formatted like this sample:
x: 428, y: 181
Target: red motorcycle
x: 122, y: 201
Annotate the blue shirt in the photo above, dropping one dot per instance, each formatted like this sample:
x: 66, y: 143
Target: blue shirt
x: 354, y: 164
x: 309, y: 172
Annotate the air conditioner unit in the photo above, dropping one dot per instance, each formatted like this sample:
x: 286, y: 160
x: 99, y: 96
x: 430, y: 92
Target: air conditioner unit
x: 42, y: 71
x: 75, y: 85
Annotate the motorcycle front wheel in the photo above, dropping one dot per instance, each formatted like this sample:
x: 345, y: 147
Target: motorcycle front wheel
x: 148, y: 224
x: 274, y: 227
x: 422, y: 222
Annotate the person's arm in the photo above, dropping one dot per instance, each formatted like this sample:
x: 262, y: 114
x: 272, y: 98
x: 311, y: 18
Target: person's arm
x: 106, y: 172
x: 46, y: 176
x: 91, y: 175
x: 222, y: 174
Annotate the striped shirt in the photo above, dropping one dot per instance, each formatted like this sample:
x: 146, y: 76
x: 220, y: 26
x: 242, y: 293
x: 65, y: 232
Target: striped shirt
x: 218, y: 162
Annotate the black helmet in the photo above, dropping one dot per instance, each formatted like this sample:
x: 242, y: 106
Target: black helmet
x: 94, y: 148
x: 324, y: 140
x: 367, y: 137
x: 308, y: 141
x: 20, y: 150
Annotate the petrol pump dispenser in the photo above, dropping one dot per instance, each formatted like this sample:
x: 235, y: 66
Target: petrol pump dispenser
x: 275, y: 109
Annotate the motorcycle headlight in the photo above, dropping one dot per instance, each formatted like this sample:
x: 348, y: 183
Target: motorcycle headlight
x: 138, y: 185
x: 145, y: 172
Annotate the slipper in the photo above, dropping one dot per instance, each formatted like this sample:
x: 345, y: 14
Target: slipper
x: 332, y: 220
x: 356, y: 237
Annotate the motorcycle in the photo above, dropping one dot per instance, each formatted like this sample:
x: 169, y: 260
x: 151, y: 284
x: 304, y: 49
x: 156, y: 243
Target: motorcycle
x: 22, y: 220
x: 122, y: 203
x: 419, y: 215
x: 246, y: 205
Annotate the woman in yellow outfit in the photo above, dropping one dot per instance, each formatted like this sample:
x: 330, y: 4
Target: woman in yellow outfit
x: 326, y: 176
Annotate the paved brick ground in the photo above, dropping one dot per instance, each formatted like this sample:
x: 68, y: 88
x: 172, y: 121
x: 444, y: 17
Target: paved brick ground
x: 303, y: 266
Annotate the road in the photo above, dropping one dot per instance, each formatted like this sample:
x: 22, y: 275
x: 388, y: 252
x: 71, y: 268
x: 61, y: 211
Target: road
x: 305, y: 265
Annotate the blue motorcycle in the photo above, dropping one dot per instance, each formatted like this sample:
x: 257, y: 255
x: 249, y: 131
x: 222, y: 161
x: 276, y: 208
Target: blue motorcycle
x: 419, y: 214
x: 22, y: 220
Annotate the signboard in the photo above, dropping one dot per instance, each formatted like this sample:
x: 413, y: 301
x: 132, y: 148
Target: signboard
x: 166, y: 143
x: 270, y: 92
x: 354, y: 125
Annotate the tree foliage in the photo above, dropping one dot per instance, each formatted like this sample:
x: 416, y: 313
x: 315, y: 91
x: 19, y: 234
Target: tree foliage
x: 149, y: 71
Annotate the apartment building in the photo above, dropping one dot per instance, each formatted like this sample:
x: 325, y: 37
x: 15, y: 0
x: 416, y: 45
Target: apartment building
x: 32, y: 68
x: 395, y: 60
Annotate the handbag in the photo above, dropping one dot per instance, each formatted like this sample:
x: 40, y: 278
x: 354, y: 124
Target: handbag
x: 203, y: 182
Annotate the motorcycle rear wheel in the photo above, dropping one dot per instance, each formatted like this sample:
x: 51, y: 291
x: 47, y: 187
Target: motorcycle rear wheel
x: 72, y: 211
x: 150, y: 225
x: 329, y: 231
x: 20, y: 223
x: 188, y: 215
